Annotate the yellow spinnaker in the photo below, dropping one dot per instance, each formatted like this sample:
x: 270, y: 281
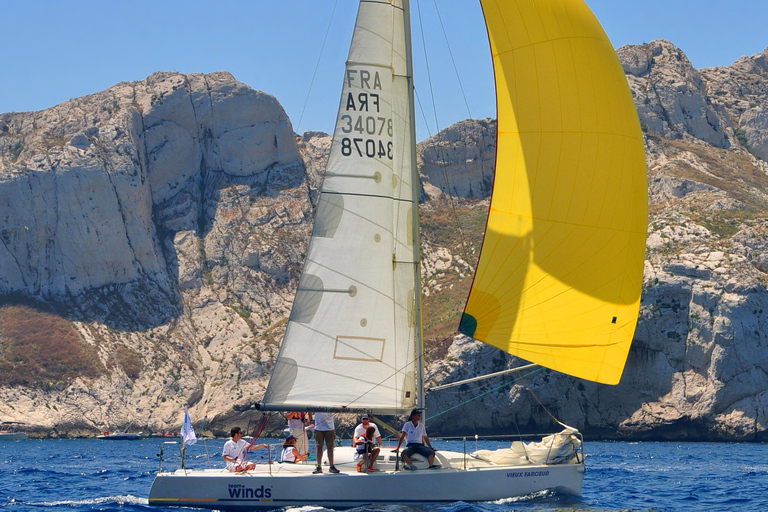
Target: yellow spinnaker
x: 559, y: 277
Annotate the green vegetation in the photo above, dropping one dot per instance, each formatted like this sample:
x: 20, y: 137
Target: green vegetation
x: 728, y: 170
x: 129, y: 360
x: 52, y: 142
x: 16, y: 150
x: 460, y: 229
x: 41, y: 349
x: 244, y: 313
x: 733, y: 172
x: 741, y: 137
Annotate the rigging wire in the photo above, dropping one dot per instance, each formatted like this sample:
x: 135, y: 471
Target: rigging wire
x: 541, y: 404
x: 532, y: 372
x: 453, y: 61
x: 317, y: 66
x: 426, y: 62
x: 423, y: 114
x: 496, y: 388
x: 413, y: 361
x: 520, y: 378
x: 442, y: 161
x: 257, y: 430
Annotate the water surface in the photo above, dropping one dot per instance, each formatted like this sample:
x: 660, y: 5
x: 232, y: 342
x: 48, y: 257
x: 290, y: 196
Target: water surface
x: 89, y: 474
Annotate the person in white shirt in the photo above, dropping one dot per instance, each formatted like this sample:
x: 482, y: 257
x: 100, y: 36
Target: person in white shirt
x: 367, y: 451
x: 325, y: 432
x: 365, y: 422
x: 415, y: 435
x: 235, y: 449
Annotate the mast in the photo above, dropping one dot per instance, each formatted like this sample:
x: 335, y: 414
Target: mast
x: 420, y: 402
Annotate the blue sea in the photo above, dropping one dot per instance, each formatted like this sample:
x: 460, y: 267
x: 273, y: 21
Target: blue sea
x: 86, y: 475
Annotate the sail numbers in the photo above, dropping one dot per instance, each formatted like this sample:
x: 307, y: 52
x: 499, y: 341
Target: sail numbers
x: 359, y: 146
x: 367, y: 124
x: 370, y: 132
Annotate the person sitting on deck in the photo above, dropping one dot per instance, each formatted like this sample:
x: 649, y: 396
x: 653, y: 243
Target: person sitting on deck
x: 235, y: 449
x: 297, y: 425
x: 415, y: 435
x: 366, y: 449
x: 360, y: 429
x: 290, y: 452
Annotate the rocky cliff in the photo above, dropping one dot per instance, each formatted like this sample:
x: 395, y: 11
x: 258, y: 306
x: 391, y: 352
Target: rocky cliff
x: 159, y: 227
x: 166, y: 219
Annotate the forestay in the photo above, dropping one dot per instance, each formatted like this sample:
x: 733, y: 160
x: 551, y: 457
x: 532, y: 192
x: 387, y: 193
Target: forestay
x: 350, y: 340
x: 560, y: 273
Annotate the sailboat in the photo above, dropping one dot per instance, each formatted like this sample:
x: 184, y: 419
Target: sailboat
x: 557, y: 283
x: 8, y: 432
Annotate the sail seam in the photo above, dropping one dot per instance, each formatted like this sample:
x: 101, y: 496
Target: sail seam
x: 359, y: 194
x: 547, y: 42
x: 564, y: 223
x: 570, y: 132
x: 368, y: 64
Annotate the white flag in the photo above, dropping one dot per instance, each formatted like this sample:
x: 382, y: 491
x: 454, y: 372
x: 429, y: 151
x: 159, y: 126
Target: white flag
x: 187, y: 432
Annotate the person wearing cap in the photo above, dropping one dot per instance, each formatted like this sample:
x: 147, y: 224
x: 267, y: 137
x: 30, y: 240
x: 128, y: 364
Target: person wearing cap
x: 290, y: 452
x: 365, y: 422
x: 235, y: 448
x: 367, y: 451
x: 415, y: 435
x: 297, y: 427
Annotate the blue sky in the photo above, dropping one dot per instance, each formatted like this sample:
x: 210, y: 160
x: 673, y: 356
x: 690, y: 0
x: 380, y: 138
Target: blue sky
x: 54, y: 50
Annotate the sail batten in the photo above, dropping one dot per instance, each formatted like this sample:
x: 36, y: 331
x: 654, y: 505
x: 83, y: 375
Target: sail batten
x: 562, y: 257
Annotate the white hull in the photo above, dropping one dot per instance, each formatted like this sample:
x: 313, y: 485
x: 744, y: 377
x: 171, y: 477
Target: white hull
x: 121, y: 437
x: 12, y: 436
x: 276, y: 485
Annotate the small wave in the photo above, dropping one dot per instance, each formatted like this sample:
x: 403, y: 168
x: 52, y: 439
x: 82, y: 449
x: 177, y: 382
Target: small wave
x: 392, y: 507
x: 119, y: 500
x: 538, y: 495
x: 140, y: 476
x: 460, y: 506
x: 36, y: 474
x: 308, y: 508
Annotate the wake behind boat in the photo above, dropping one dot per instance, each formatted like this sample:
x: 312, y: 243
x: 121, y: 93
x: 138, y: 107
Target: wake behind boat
x: 557, y: 283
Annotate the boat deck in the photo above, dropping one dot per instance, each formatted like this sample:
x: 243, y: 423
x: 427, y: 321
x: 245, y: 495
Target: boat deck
x: 460, y: 478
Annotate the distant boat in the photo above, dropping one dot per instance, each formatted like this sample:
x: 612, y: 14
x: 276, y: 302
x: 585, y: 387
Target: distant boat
x: 120, y: 436
x: 167, y: 435
x: 10, y: 434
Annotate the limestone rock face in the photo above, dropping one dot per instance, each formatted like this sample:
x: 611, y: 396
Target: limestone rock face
x: 167, y: 217
x: 314, y: 148
x: 740, y: 86
x: 463, y: 153
x: 742, y: 90
x: 670, y: 94
x: 754, y: 124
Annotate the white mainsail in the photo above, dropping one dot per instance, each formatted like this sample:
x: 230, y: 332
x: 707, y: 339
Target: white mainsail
x: 351, y: 342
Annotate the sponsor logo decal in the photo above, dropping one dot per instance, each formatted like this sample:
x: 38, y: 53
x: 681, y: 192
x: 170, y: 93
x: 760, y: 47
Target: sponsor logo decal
x: 524, y: 474
x: 243, y: 492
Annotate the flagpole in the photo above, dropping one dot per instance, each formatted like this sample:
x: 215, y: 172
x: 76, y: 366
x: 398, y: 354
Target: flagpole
x: 187, y: 433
